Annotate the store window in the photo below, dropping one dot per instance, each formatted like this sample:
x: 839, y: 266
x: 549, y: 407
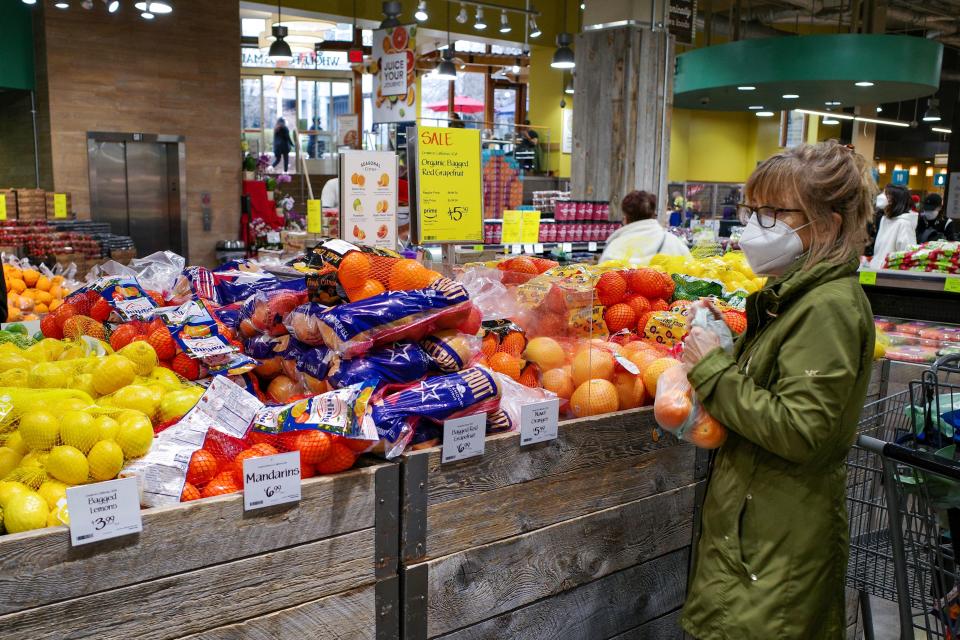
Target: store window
x: 251, y: 92
x: 468, y: 97
x: 504, y: 113
x: 435, y: 93
x: 320, y: 102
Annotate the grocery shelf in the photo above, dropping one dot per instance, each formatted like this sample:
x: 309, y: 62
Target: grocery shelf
x: 543, y: 247
x: 914, y: 294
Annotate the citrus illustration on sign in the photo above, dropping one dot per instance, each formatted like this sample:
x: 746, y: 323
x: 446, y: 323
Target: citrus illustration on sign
x: 449, y: 185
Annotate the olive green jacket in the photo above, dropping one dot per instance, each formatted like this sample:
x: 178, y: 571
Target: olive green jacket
x: 772, y: 553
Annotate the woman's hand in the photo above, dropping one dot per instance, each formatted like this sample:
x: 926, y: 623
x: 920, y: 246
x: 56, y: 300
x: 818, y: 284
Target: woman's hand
x: 698, y: 343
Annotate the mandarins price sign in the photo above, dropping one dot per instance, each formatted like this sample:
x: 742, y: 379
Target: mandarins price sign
x: 449, y: 185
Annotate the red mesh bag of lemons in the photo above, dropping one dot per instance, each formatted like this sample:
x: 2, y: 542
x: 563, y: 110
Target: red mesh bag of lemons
x: 676, y: 408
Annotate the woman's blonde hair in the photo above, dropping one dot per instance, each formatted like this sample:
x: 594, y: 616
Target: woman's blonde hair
x: 823, y: 179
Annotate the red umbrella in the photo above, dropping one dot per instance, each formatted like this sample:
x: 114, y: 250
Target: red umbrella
x: 461, y: 104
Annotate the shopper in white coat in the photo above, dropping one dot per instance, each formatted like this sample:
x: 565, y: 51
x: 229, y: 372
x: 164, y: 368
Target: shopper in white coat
x: 898, y: 226
x: 642, y: 236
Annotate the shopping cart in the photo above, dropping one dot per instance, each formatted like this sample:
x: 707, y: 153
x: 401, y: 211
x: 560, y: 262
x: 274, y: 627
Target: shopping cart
x: 903, y: 490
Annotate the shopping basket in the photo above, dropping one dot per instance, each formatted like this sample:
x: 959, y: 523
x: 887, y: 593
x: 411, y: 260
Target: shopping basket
x: 903, y: 490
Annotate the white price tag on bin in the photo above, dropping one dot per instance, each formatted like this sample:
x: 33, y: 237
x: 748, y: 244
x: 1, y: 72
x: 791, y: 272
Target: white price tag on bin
x: 539, y: 421
x: 103, y: 510
x: 464, y: 437
x: 271, y: 480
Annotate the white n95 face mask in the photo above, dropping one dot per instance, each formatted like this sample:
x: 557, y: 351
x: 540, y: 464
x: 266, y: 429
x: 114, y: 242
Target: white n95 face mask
x: 770, y: 252
x: 882, y: 200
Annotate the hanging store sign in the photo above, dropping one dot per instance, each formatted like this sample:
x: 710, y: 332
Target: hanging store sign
x: 900, y: 177
x: 681, y: 18
x: 368, y: 198
x: 394, y: 76
x: 447, y: 185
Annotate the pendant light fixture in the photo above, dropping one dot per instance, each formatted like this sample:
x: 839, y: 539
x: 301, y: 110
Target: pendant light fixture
x: 446, y: 70
x: 157, y: 7
x: 279, y: 49
x: 462, y: 17
x: 29, y: 1
x: 61, y: 4
x: 568, y: 88
x: 112, y: 5
x: 563, y: 57
x: 421, y: 14
x: 391, y: 11
x: 932, y: 114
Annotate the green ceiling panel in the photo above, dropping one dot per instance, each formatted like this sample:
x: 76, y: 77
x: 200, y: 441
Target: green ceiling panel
x: 818, y: 68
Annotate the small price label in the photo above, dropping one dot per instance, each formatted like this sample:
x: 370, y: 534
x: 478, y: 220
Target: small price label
x: 591, y: 246
x: 464, y: 437
x: 314, y: 220
x: 951, y: 284
x: 516, y: 249
x: 271, y: 480
x: 567, y: 247
x: 868, y: 277
x: 538, y: 421
x: 528, y: 248
x: 538, y: 248
x: 103, y: 510
x: 627, y: 364
x: 478, y: 247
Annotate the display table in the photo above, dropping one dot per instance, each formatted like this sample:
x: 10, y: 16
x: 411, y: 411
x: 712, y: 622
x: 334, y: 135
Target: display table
x: 585, y: 536
x: 208, y: 568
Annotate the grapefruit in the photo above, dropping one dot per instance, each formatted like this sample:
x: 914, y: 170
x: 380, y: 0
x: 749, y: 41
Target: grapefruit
x: 594, y: 397
x: 630, y: 389
x: 653, y: 371
x: 591, y: 363
x: 545, y: 352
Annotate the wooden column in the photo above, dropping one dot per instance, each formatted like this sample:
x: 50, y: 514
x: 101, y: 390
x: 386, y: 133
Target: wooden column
x: 621, y: 141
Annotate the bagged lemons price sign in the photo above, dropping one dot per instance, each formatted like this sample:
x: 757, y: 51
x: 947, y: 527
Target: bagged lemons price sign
x: 103, y: 510
x: 449, y: 185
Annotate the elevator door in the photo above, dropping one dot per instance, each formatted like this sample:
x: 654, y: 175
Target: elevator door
x: 135, y: 186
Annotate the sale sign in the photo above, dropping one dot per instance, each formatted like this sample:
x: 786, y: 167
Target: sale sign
x: 449, y: 185
x: 394, y: 78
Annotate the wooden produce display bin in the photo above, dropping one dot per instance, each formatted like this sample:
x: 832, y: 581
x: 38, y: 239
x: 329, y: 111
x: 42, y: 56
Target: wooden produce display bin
x: 586, y: 536
x: 206, y: 569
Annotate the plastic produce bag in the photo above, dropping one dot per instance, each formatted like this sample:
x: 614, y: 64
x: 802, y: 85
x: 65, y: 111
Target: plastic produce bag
x: 264, y: 312
x: 339, y: 412
x: 400, y: 362
x: 355, y: 328
x: 395, y: 415
x: 676, y: 408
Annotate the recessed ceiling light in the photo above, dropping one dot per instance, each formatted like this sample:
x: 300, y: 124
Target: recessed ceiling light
x: 790, y: 96
x: 746, y: 87
x: 864, y: 83
x: 764, y: 114
x: 926, y: 162
x: 832, y: 103
x: 879, y: 109
x: 755, y: 107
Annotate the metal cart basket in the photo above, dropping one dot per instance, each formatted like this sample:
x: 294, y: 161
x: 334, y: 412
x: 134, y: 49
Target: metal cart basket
x: 903, y: 501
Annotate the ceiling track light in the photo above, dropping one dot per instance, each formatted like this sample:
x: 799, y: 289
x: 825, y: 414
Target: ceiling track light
x: 480, y: 24
x: 535, y: 31
x: 462, y: 17
x: 391, y: 11
x: 568, y: 88
x: 563, y: 57
x: 112, y: 5
x: 863, y: 83
x: 764, y: 114
x: 29, y: 1
x: 504, y: 23
x: 146, y: 15
x: 932, y: 114
x: 421, y: 14
x: 62, y: 4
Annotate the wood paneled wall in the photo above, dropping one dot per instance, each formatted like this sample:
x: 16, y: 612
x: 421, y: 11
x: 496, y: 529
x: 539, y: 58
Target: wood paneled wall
x: 178, y: 74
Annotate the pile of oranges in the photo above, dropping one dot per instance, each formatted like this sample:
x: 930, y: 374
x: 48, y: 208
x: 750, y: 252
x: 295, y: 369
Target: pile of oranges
x: 30, y: 294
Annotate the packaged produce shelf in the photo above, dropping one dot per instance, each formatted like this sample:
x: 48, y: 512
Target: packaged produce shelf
x: 915, y: 295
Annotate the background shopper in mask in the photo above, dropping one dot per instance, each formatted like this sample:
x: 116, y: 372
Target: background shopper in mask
x: 898, y: 226
x: 933, y: 223
x: 772, y: 552
x: 874, y: 224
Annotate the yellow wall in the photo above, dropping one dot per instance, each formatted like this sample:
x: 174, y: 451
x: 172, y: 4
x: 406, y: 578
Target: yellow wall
x: 546, y: 91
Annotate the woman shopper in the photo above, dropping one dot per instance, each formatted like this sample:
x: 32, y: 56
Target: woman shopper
x: 282, y: 144
x: 898, y: 226
x: 772, y: 552
x: 933, y: 223
x: 641, y: 236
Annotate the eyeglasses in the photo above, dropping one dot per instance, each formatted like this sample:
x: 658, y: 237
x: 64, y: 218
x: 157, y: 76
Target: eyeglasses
x: 766, y: 215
